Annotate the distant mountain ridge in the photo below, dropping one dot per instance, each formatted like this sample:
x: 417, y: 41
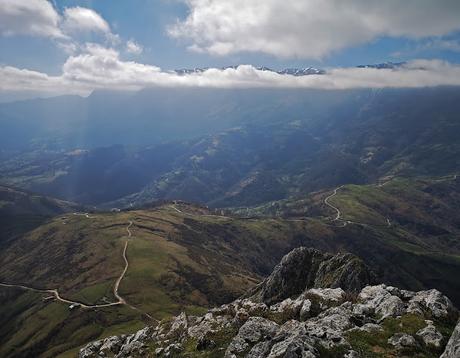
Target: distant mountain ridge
x: 293, y: 71
x: 287, y: 71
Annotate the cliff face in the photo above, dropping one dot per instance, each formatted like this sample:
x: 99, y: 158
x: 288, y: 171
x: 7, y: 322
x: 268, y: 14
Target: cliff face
x: 289, y: 315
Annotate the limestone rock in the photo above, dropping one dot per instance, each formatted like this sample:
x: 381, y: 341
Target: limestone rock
x: 327, y: 329
x: 453, y: 346
x: 292, y: 340
x: 380, y: 300
x: 430, y: 335
x: 402, y: 340
x: 308, y: 319
x: 256, y: 329
x: 343, y: 270
x: 305, y: 268
x: 433, y: 301
x: 305, y: 310
x: 327, y: 294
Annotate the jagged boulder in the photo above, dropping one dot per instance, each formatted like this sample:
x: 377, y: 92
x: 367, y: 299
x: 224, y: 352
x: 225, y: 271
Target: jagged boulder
x: 381, y: 301
x: 292, y: 340
x: 305, y: 268
x: 255, y: 330
x: 433, y: 301
x: 328, y: 327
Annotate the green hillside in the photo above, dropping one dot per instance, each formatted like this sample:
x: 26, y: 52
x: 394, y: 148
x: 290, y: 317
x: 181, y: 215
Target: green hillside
x: 21, y: 211
x: 185, y: 257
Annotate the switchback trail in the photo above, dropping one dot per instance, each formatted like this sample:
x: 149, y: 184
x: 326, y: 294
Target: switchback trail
x: 326, y: 201
x: 120, y: 299
x: 338, y: 215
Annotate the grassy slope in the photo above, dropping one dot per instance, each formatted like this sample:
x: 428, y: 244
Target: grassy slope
x: 421, y: 247
x: 177, y: 261
x: 21, y: 211
x: 189, y: 260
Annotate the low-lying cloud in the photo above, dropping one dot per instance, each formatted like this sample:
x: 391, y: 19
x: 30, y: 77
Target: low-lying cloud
x: 99, y: 67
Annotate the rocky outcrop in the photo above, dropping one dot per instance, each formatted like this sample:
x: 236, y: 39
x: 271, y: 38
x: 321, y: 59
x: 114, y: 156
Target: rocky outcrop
x: 453, y: 346
x: 305, y: 268
x: 316, y: 321
x: 313, y: 322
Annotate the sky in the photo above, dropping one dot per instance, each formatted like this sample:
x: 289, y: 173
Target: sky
x: 75, y: 46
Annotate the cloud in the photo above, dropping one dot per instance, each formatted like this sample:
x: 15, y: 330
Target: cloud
x: 80, y: 19
x: 309, y: 28
x: 99, y: 67
x: 133, y: 47
x: 40, y: 18
x: 102, y: 67
x: 30, y: 17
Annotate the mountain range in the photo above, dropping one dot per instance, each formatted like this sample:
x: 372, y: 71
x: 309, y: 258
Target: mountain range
x: 123, y: 209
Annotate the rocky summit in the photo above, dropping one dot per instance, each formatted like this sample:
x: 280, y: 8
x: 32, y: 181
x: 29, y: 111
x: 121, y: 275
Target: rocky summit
x: 290, y: 315
x: 308, y: 268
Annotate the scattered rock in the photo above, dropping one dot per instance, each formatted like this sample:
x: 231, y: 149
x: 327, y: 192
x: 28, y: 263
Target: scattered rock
x: 256, y: 329
x: 402, y: 340
x: 309, y: 320
x: 290, y: 308
x: 305, y: 310
x: 172, y: 349
x: 430, y: 335
x: 351, y: 354
x: 178, y: 326
x: 327, y: 329
x: 368, y: 327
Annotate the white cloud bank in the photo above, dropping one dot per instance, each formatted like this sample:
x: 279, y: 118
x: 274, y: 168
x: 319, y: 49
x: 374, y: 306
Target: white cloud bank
x: 98, y: 67
x: 309, y: 28
x: 29, y: 17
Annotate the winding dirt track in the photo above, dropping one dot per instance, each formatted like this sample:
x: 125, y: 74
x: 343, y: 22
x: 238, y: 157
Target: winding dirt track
x: 120, y: 300
x: 338, y: 215
x: 337, y: 210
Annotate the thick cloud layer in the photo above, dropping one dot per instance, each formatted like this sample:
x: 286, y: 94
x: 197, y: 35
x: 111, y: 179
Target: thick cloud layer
x: 309, y: 28
x: 99, y: 67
